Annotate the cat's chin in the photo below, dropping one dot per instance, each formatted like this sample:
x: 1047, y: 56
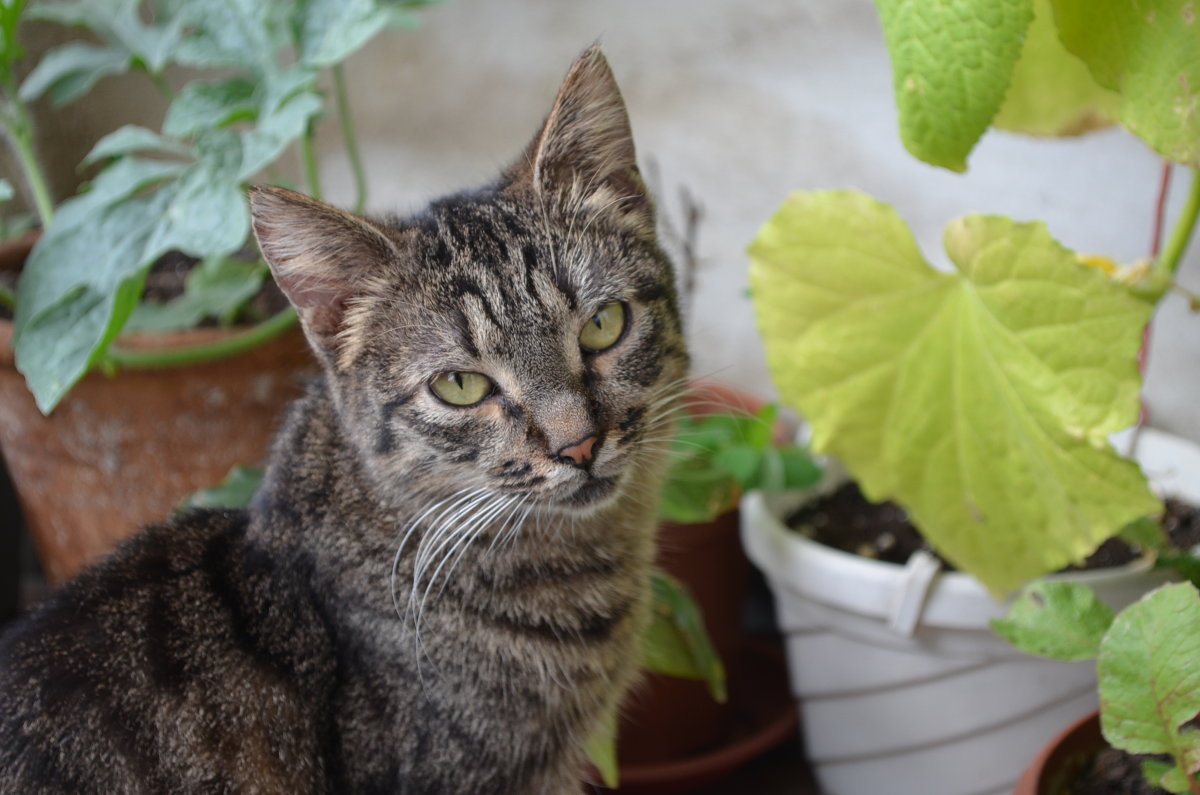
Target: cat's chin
x: 590, y: 496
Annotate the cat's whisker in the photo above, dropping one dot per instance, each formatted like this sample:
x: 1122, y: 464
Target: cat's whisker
x: 409, y: 528
x: 465, y: 533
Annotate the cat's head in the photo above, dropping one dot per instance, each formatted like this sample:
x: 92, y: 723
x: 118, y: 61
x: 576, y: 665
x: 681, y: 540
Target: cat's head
x: 522, y: 339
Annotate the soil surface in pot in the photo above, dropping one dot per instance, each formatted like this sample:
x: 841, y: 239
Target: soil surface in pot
x: 167, y: 279
x: 844, y: 519
x: 1113, y: 772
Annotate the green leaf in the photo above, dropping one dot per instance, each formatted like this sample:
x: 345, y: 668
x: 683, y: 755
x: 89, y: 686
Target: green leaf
x: 119, y: 24
x: 235, y: 491
x: 676, y: 642
x: 1149, y: 680
x: 245, y: 34
x: 1060, y: 620
x: 951, y: 63
x: 743, y: 462
x: 799, y: 469
x: 203, y: 106
x: 84, y: 276
x: 277, y: 128
x: 68, y: 72
x: 1147, y: 51
x: 602, y: 750
x: 216, y: 288
x: 1146, y: 534
x: 1052, y: 92
x: 6, y: 190
x: 980, y: 400
x: 330, y: 30
x: 131, y: 138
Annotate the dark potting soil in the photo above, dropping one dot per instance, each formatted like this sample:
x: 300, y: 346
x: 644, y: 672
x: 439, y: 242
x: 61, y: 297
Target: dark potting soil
x: 844, y: 519
x: 167, y: 278
x: 1114, y: 772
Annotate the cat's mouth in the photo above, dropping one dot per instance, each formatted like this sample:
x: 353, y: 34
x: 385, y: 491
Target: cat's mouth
x: 592, y: 492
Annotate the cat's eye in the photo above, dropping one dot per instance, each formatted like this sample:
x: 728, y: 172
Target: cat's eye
x: 461, y: 389
x: 604, y: 328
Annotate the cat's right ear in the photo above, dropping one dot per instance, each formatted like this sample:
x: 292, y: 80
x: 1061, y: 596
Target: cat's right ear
x: 321, y: 257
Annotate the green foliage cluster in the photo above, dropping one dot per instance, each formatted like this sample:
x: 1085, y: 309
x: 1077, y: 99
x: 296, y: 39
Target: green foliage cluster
x: 256, y: 92
x: 717, y: 457
x: 1145, y: 660
x: 982, y: 399
x: 1049, y: 67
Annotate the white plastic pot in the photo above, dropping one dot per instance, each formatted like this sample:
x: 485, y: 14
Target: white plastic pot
x: 905, y: 689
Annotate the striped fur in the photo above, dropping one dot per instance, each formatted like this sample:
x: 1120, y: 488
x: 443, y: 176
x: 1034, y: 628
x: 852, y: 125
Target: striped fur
x: 423, y: 598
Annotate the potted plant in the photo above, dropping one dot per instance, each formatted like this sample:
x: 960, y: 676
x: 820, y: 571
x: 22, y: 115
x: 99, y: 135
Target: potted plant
x: 672, y: 728
x: 981, y: 400
x: 1148, y: 684
x: 204, y: 371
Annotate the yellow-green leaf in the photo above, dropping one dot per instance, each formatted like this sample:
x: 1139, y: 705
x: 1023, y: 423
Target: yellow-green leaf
x: 951, y: 64
x: 1148, y: 51
x: 980, y: 399
x: 1052, y: 92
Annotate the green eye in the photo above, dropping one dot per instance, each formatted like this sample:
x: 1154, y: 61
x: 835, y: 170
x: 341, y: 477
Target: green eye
x: 604, y: 329
x: 461, y: 389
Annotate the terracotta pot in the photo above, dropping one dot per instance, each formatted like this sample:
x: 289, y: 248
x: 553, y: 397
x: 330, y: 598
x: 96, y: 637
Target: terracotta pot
x: 120, y: 452
x: 1063, y: 759
x: 668, y: 722
x: 669, y: 718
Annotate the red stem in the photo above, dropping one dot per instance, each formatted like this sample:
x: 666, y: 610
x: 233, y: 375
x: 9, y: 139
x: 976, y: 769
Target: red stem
x: 1160, y: 211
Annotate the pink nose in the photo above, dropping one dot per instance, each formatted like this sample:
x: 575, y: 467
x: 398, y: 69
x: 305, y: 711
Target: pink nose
x: 580, y: 452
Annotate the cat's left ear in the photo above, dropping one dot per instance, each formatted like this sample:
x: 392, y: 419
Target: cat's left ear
x: 321, y: 257
x: 584, y: 151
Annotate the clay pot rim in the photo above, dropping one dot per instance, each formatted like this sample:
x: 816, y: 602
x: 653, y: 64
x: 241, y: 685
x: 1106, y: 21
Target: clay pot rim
x: 1076, y: 738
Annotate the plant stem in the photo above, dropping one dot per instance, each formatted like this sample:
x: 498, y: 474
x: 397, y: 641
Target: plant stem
x: 308, y: 150
x: 164, y: 87
x: 1172, y: 254
x: 1160, y: 208
x: 20, y: 130
x: 198, y: 354
x: 350, y: 138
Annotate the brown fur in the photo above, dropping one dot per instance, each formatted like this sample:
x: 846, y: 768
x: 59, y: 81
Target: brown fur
x: 423, y: 598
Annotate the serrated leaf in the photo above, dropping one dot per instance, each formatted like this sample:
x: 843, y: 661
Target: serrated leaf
x: 1051, y: 91
x: 68, y: 72
x: 235, y: 491
x: 130, y: 139
x: 1060, y: 620
x: 1149, y: 680
x: 951, y: 64
x: 244, y: 34
x: 83, y: 277
x: 329, y: 30
x: 979, y: 400
x: 119, y: 24
x: 676, y: 642
x: 1146, y: 51
x: 202, y: 106
x: 276, y: 129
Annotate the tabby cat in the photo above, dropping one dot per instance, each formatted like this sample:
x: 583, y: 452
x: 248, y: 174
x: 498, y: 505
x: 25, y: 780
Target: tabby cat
x: 441, y: 585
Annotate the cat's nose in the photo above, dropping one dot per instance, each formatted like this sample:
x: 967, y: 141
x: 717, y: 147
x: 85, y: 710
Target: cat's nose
x: 580, y: 453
